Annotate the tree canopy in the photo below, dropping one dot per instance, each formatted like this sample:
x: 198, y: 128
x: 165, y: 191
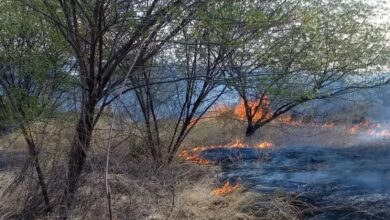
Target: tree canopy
x: 149, y: 57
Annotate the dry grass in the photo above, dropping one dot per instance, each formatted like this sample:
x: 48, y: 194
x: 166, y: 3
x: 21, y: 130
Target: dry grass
x: 180, y: 191
x: 223, y: 131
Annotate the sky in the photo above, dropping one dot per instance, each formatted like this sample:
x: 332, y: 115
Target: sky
x: 383, y: 4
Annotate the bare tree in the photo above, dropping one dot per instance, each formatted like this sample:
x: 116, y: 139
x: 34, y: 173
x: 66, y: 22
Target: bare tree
x: 189, y: 90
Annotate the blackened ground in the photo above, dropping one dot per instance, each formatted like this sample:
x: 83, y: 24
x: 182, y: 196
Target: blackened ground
x: 344, y: 183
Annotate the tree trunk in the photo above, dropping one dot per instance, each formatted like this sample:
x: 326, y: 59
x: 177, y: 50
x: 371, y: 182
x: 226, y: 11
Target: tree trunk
x: 250, y: 129
x: 41, y: 179
x: 156, y: 154
x: 79, y: 150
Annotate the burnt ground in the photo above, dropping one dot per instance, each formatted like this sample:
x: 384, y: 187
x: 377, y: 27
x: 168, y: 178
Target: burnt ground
x: 342, y: 183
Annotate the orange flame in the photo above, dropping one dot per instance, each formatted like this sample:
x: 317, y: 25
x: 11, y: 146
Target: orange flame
x: 265, y: 144
x: 354, y: 129
x: 235, y: 144
x: 193, y: 155
x: 259, y: 112
x: 240, y: 111
x: 362, y: 126
x: 368, y: 128
x: 286, y: 119
x: 379, y: 133
x: 226, y: 189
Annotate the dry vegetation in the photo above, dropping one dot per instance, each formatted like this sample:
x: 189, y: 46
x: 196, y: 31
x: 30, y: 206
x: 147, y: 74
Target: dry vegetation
x: 98, y: 98
x: 139, y: 191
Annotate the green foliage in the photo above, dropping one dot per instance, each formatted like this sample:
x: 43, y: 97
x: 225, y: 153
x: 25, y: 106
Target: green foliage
x: 297, y: 51
x: 32, y: 59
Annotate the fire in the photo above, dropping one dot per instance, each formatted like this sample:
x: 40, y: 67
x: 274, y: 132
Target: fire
x: 240, y: 112
x: 379, y: 133
x: 265, y: 144
x: 194, y: 156
x: 370, y: 129
x: 286, y: 119
x: 353, y: 130
x: 263, y: 111
x: 236, y: 144
x: 226, y: 189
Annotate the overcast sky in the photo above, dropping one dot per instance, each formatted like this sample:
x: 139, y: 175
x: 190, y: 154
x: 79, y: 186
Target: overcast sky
x: 385, y: 5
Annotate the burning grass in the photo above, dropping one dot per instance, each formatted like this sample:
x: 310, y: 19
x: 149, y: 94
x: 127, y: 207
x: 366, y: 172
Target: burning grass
x: 370, y: 129
x: 226, y: 189
x: 350, y: 125
x: 189, y: 194
x: 194, y: 156
x: 262, y: 110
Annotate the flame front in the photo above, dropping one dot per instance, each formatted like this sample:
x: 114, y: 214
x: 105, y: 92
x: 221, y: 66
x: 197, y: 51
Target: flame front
x: 261, y: 110
x: 238, y: 111
x: 265, y: 144
x: 353, y: 130
x: 194, y: 156
x: 257, y: 108
x: 369, y: 129
x: 379, y: 133
x: 226, y: 189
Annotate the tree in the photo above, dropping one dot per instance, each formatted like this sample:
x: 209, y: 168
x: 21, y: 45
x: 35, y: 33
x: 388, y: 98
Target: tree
x: 275, y: 54
x: 314, y: 50
x: 101, y: 34
x: 32, y: 78
x: 190, y: 74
